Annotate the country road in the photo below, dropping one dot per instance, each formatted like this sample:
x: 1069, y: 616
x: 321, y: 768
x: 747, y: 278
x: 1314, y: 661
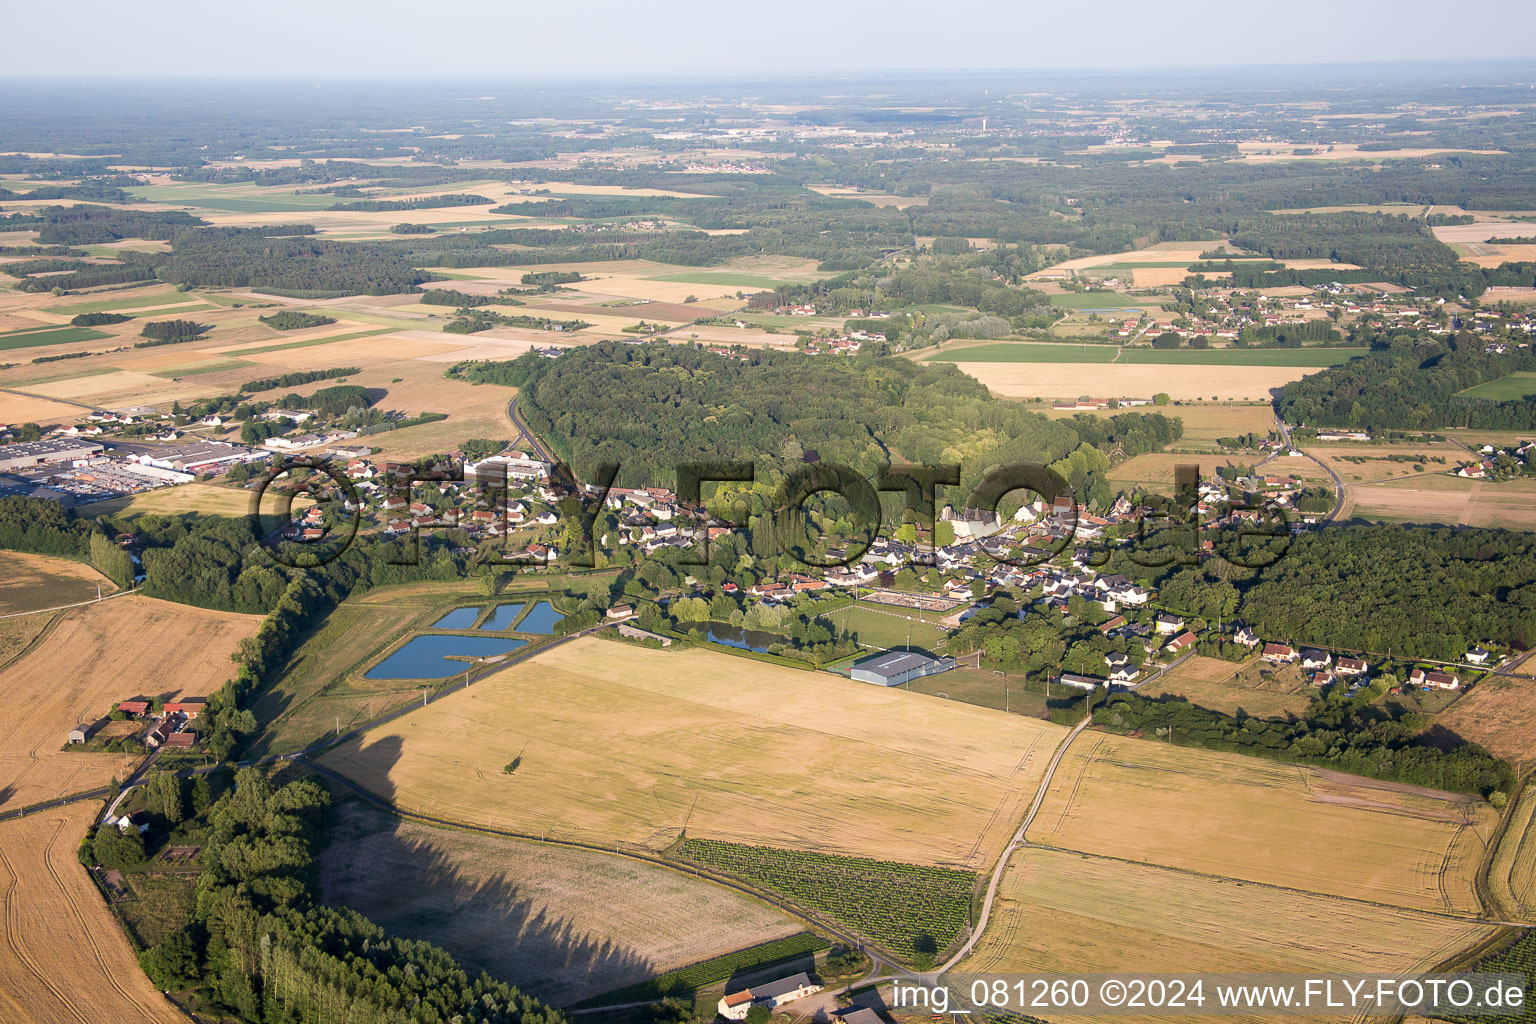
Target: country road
x: 1338, y: 484
x: 1018, y: 842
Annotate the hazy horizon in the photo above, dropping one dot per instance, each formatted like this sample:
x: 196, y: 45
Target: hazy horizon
x: 475, y: 39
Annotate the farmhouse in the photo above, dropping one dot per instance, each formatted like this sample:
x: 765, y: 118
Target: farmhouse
x: 734, y: 1005
x: 894, y: 668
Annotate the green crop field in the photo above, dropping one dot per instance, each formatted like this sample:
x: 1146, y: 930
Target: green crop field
x: 1519, y: 958
x: 1509, y: 388
x: 688, y: 979
x: 223, y: 199
x: 197, y: 369
x: 132, y: 302
x: 329, y: 339
x: 34, y: 336
x: 1029, y: 352
x: 912, y: 910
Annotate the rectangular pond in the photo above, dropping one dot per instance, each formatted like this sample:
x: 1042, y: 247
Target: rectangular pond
x: 459, y: 618
x: 541, y: 618
x: 428, y: 656
x: 503, y: 617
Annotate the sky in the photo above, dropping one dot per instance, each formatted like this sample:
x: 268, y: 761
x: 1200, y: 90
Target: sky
x: 679, y: 38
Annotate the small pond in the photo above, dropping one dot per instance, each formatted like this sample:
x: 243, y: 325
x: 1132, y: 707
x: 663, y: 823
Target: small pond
x: 503, y: 617
x: 428, y: 656
x: 459, y: 618
x: 541, y: 618
x: 746, y: 639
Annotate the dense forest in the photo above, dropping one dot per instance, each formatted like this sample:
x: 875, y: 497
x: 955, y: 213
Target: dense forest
x: 261, y: 947
x: 1412, y: 381
x: 649, y: 408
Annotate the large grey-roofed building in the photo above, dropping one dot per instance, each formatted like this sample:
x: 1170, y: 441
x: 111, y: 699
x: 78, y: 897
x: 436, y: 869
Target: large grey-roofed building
x: 37, y: 453
x: 896, y: 667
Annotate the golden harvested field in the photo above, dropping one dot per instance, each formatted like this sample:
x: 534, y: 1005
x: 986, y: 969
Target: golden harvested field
x: 92, y: 658
x: 1069, y: 380
x: 198, y: 498
x: 1262, y: 821
x: 1062, y: 912
x: 36, y: 409
x: 736, y: 750
x: 1155, y: 470
x: 1162, y: 252
x: 1512, y: 873
x: 1499, y: 713
x: 1226, y: 687
x: 560, y: 924
x: 29, y: 582
x: 1378, y: 467
x: 1449, y: 499
x: 17, y: 632
x: 65, y: 960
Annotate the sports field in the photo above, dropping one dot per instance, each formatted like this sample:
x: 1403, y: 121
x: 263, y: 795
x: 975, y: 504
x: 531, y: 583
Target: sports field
x: 730, y: 748
x: 1261, y: 821
x: 65, y: 959
x: 89, y: 660
x: 560, y: 924
x: 1065, y: 913
x: 886, y: 626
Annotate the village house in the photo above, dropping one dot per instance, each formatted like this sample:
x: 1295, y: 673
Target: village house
x: 1351, y: 667
x: 1180, y: 643
x: 1279, y: 654
x: 1434, y: 680
x: 1312, y: 659
x: 1167, y: 623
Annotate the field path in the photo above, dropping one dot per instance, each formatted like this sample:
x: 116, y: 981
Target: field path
x: 1017, y: 842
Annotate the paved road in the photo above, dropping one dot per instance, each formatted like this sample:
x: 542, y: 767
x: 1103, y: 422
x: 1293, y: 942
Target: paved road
x: 1338, y: 484
x: 533, y: 442
x: 1018, y: 842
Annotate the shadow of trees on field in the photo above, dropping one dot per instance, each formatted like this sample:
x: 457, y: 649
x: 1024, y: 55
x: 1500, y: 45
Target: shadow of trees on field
x: 490, y: 922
